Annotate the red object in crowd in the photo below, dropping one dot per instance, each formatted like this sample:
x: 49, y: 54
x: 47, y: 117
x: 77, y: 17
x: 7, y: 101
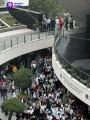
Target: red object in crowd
x: 1, y: 82
x: 61, y: 23
x: 36, y: 89
x: 54, y: 118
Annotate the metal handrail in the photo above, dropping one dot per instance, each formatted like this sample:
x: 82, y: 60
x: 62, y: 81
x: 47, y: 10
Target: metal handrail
x: 15, y: 40
x: 71, y: 69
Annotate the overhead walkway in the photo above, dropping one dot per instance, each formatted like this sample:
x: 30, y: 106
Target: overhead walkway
x: 19, y: 42
x: 68, y: 48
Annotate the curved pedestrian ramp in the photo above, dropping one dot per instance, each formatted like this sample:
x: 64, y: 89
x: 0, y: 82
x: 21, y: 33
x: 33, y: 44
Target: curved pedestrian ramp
x: 19, y: 42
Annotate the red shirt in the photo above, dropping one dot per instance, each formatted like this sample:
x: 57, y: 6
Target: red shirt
x: 60, y: 22
x: 1, y: 82
x: 36, y: 88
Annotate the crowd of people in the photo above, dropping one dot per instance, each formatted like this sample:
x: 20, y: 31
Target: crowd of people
x: 45, y: 100
x: 55, y: 23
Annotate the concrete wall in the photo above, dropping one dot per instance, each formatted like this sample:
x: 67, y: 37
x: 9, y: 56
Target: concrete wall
x: 77, y: 8
x: 13, y: 28
x: 73, y: 85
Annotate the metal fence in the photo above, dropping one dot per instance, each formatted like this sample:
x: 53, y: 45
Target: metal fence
x: 24, y: 38
x: 76, y: 73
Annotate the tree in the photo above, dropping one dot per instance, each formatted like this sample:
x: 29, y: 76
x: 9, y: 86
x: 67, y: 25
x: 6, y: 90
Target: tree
x: 48, y: 7
x: 22, y: 78
x: 12, y: 105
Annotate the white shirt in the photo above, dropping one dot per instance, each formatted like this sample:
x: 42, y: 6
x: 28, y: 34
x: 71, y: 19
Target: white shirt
x: 63, y: 118
x: 57, y: 94
x: 37, y: 82
x: 71, y: 111
x: 48, y: 21
x: 31, y: 111
x: 14, y: 95
x: 58, y: 100
x: 42, y: 108
x: 34, y: 95
x: 34, y: 65
x: 49, y: 117
x: 49, y: 95
x: 42, y: 76
x: 62, y: 110
x: 54, y: 112
x: 57, y: 21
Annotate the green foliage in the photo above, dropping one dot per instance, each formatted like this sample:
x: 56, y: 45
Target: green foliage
x: 65, y: 99
x: 22, y: 95
x: 37, y: 24
x: 48, y: 7
x: 22, y: 77
x: 13, y: 105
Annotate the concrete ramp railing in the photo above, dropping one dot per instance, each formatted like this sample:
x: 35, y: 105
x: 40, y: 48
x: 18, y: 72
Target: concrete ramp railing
x: 20, y: 44
x: 13, y: 28
x: 23, y: 38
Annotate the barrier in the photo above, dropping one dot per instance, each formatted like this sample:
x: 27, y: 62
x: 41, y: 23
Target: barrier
x: 76, y: 73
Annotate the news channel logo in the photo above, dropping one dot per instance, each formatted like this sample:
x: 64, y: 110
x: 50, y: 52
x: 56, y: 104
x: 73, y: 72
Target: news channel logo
x: 11, y: 4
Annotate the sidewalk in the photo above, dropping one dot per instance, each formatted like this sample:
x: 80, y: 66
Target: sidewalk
x: 2, y: 115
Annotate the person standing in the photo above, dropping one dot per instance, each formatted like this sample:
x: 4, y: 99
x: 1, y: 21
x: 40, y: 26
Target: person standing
x: 71, y: 22
x: 60, y: 23
x: 44, y: 23
x: 52, y: 25
x: 48, y: 24
x: 66, y: 23
x: 48, y: 103
x: 56, y: 24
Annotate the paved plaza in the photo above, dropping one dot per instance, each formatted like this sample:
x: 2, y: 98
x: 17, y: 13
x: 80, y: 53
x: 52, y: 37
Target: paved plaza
x: 2, y: 115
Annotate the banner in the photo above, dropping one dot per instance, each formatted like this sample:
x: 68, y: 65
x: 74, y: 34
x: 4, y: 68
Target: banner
x: 14, y: 3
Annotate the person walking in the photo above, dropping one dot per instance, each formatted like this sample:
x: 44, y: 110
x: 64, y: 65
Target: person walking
x: 60, y: 23
x: 44, y: 23
x: 52, y: 25
x: 48, y: 24
x: 66, y: 23
x: 71, y: 22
